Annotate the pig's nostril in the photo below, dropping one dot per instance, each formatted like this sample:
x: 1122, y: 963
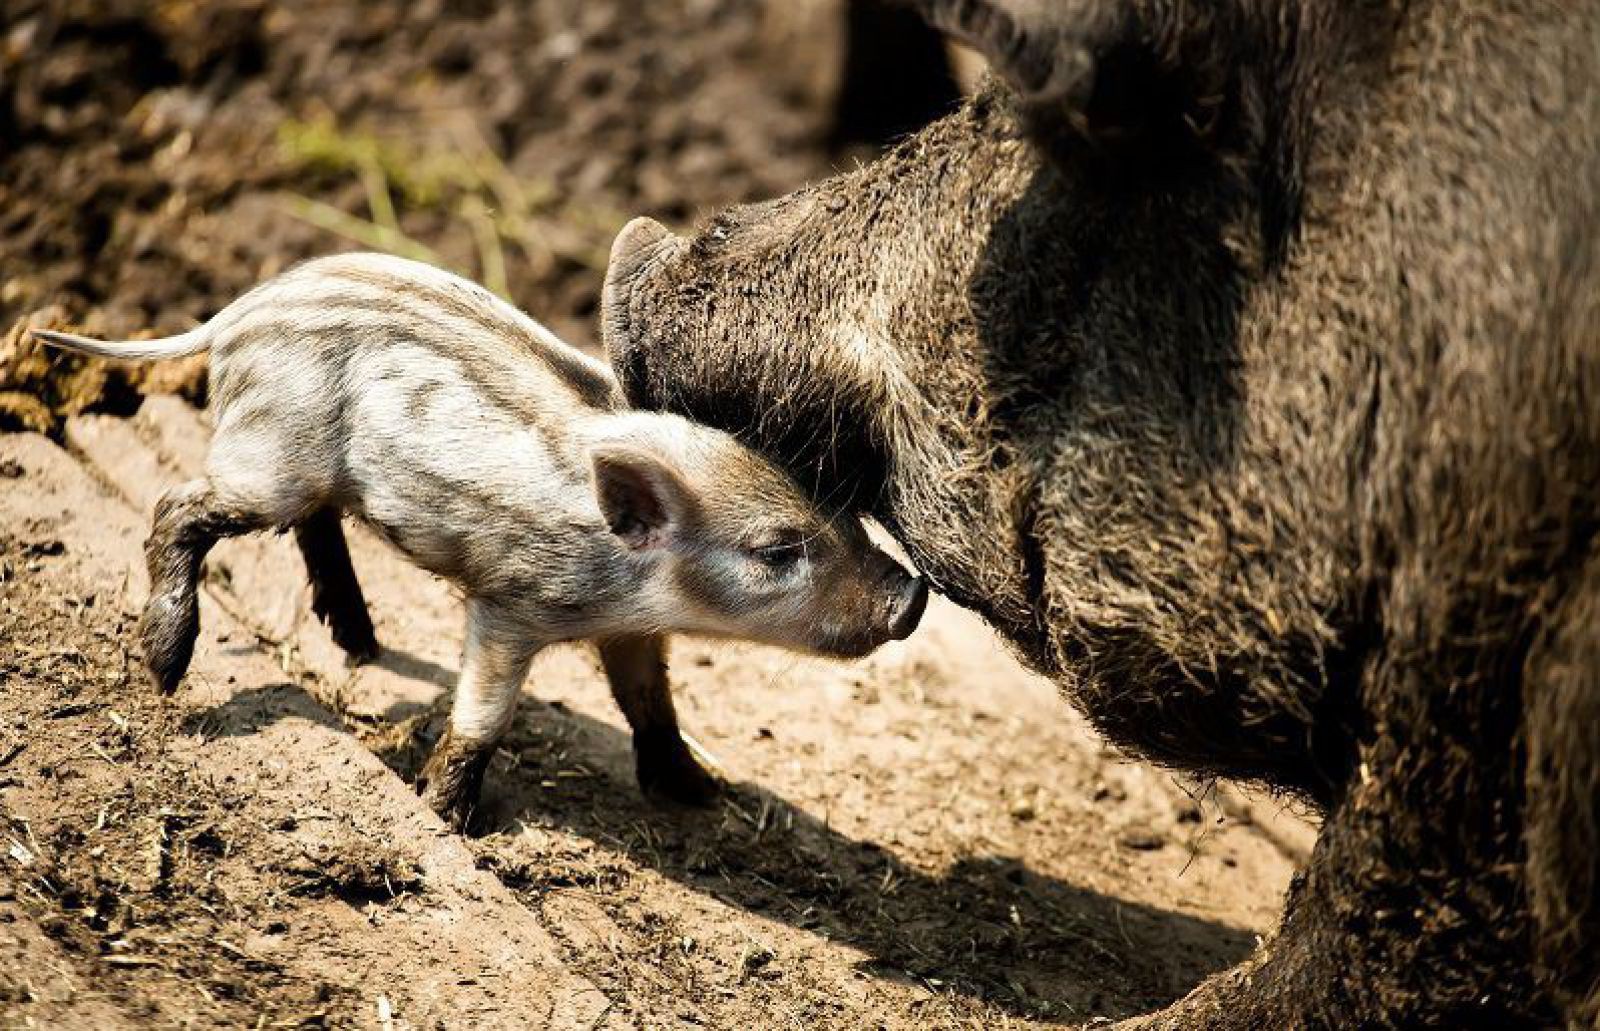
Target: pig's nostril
x: 908, y: 609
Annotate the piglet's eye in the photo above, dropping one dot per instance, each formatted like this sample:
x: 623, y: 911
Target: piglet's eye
x: 779, y: 551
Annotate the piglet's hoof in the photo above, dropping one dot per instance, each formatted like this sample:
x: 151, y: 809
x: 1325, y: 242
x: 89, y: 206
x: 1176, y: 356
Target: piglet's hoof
x: 452, y: 779
x: 167, y: 630
x: 352, y: 631
x: 361, y: 650
x: 668, y: 771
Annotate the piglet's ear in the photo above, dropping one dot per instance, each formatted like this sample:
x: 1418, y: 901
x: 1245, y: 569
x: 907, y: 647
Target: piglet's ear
x: 641, y: 498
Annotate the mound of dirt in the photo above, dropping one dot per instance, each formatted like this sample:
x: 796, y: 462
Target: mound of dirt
x: 121, y: 880
x: 158, y: 159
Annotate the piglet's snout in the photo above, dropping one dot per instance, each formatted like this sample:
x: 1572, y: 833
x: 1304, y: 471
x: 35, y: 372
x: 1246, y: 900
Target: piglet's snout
x: 906, y: 606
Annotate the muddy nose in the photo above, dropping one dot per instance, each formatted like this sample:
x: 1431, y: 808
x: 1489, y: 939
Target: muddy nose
x: 907, y: 612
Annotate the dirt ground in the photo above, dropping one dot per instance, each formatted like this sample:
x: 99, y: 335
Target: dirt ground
x: 928, y: 838
x: 157, y: 159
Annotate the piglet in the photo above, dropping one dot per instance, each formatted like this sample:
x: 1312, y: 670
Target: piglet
x: 505, y: 461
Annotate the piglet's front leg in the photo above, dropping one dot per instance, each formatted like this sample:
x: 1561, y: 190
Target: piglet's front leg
x: 637, y: 670
x: 493, y: 667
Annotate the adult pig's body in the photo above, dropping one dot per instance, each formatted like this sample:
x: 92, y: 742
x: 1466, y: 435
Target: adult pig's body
x: 1241, y: 366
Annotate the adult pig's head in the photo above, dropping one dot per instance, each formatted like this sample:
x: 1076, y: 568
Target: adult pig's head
x: 1061, y: 260
x: 1018, y: 339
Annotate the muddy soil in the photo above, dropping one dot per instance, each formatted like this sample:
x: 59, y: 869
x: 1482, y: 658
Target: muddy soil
x: 157, y: 159
x: 929, y: 838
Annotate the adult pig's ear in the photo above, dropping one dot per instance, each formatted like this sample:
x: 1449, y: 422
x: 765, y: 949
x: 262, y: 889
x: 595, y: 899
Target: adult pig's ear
x: 1116, y: 74
x: 641, y: 248
x: 638, y: 235
x: 642, y: 499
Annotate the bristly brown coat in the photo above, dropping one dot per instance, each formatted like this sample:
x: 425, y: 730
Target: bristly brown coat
x: 1238, y: 362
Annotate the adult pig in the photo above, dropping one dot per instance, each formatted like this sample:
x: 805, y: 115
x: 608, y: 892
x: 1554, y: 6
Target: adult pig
x: 1240, y: 362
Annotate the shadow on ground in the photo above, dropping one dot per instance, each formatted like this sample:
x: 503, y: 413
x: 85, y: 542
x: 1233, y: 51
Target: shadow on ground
x: 989, y: 927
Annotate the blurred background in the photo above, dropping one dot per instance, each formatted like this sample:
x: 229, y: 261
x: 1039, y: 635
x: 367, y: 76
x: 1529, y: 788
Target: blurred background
x: 159, y: 158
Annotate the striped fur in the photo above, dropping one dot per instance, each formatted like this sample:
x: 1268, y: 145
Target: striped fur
x: 498, y: 457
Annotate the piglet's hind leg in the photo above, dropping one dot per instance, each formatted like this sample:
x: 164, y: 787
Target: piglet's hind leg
x: 336, y: 595
x: 637, y: 670
x: 493, y: 667
x: 190, y: 519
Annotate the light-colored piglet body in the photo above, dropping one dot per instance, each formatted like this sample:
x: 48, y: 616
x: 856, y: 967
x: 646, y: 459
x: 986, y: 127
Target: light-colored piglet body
x: 494, y: 455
